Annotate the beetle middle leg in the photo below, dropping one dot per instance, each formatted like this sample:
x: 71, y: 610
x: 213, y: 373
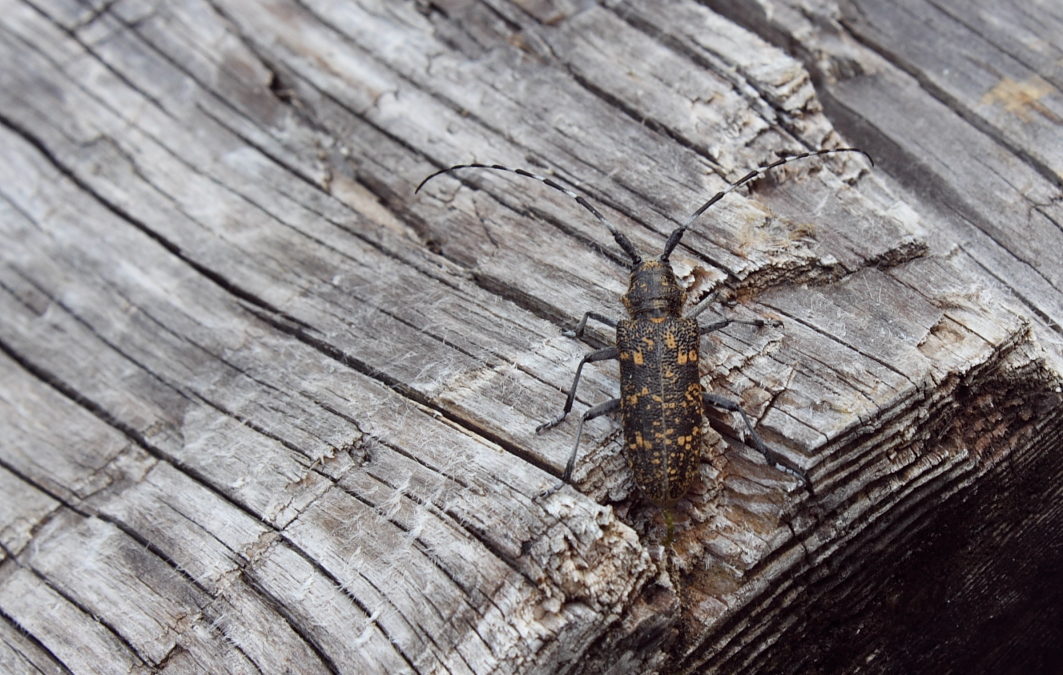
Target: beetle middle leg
x: 776, y: 459
x: 600, y: 355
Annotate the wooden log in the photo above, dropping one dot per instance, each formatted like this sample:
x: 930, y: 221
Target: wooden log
x: 266, y: 409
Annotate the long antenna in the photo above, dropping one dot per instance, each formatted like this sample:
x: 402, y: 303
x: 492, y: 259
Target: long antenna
x: 677, y: 234
x: 623, y: 241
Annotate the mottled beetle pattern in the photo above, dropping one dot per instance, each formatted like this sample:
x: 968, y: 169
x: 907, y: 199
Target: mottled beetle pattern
x: 661, y: 401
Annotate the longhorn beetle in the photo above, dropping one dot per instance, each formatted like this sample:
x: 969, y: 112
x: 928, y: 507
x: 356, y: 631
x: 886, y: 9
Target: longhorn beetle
x: 661, y: 399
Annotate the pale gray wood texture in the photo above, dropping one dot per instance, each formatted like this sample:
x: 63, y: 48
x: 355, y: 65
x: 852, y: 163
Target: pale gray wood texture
x: 264, y: 409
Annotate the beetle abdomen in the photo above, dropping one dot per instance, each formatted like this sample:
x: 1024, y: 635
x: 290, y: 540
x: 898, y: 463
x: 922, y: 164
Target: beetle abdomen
x: 660, y: 403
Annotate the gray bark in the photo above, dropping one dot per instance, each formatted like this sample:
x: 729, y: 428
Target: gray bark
x: 265, y: 409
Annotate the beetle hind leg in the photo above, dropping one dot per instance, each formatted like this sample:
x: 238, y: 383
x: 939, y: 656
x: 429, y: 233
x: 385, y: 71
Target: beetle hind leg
x: 775, y: 458
x: 597, y: 411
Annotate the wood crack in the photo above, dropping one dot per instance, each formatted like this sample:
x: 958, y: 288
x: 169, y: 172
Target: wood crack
x: 951, y: 102
x: 112, y: 630
x: 208, y: 273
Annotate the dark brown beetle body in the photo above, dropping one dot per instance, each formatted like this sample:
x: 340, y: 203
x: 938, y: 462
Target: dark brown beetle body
x: 661, y: 399
x: 660, y: 388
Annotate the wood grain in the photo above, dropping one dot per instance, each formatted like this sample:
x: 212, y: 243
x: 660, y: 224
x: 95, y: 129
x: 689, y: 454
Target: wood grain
x: 265, y: 409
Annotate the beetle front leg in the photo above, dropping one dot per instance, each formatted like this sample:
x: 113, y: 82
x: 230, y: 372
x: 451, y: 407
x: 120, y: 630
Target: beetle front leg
x: 774, y: 458
x: 717, y: 325
x: 597, y: 411
x: 600, y: 355
x: 582, y: 325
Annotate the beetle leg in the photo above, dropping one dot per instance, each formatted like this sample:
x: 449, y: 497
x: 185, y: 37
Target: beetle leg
x: 717, y: 325
x: 776, y: 459
x: 577, y: 332
x: 600, y: 355
x: 597, y: 411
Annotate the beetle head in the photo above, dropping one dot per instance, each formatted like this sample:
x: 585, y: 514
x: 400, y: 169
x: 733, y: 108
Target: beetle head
x: 653, y: 290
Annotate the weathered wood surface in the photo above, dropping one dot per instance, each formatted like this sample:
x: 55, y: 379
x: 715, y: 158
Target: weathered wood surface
x: 264, y: 409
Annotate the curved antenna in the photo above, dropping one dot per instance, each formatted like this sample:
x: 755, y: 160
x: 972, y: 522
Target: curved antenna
x: 623, y: 241
x: 677, y: 234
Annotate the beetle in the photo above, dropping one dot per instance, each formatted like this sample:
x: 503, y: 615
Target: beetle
x: 662, y: 402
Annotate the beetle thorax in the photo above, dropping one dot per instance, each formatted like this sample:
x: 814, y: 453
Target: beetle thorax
x: 653, y: 291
